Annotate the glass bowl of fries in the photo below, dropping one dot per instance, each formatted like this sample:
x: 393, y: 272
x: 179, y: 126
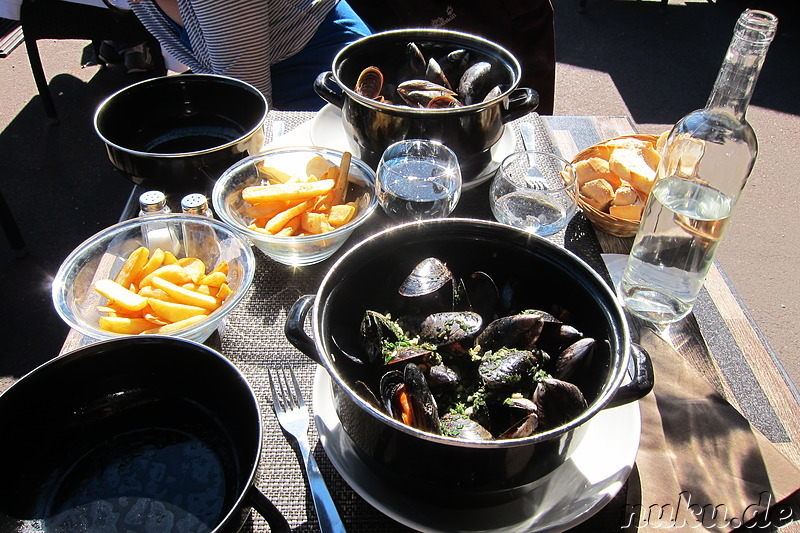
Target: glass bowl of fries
x: 176, y: 274
x: 296, y: 204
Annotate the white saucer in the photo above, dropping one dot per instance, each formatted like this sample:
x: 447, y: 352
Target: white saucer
x: 573, y: 493
x: 327, y: 130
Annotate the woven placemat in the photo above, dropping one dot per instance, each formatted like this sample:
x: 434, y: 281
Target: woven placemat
x: 254, y: 340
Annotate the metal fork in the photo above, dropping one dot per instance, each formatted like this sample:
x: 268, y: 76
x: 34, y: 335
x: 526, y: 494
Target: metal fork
x: 532, y: 179
x: 292, y: 413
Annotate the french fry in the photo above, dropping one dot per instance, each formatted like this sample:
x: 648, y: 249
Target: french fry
x: 175, y: 326
x: 151, y: 292
x: 169, y: 258
x: 315, y: 223
x: 273, y: 175
x: 133, y: 266
x: 214, y: 279
x: 286, y: 191
x: 194, y: 267
x: 126, y: 326
x: 173, y: 273
x: 276, y: 223
x: 268, y: 209
x: 120, y: 295
x: 156, y: 260
x: 186, y: 296
x: 224, y: 292
x: 223, y: 267
x: 291, y: 227
x: 175, y: 312
x: 341, y: 214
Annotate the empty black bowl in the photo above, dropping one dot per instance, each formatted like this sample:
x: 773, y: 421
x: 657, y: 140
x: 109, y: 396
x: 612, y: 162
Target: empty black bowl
x: 179, y: 133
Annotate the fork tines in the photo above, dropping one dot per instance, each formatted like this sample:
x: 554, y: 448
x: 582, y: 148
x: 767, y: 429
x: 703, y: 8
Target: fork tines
x: 284, y: 397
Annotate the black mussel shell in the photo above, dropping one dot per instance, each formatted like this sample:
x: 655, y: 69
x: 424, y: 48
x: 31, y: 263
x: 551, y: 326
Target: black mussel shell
x: 428, y: 276
x: 460, y: 426
x: 508, y: 369
x: 574, y: 358
x: 515, y: 331
x: 558, y: 402
x: 452, y: 327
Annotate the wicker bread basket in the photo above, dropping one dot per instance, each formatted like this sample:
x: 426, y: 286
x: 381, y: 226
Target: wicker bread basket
x: 618, y: 227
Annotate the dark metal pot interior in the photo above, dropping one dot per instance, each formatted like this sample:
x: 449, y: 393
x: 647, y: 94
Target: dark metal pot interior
x: 470, y: 131
x: 181, y: 132
x: 126, y: 431
x: 538, y: 274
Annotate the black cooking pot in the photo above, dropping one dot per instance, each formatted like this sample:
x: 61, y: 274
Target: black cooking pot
x: 179, y: 133
x: 536, y: 274
x: 129, y: 433
x: 470, y: 131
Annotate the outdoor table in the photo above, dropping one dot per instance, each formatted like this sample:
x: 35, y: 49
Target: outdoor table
x: 719, y: 339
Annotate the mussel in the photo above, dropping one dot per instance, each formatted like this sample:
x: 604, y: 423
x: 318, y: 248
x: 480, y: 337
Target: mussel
x: 408, y: 398
x: 384, y: 342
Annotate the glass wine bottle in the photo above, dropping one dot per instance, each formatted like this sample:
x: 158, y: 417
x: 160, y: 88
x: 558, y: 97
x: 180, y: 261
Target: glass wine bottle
x: 705, y: 164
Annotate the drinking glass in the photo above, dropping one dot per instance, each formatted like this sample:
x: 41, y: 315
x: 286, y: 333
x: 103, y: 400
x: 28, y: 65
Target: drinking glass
x: 418, y: 179
x: 534, y: 191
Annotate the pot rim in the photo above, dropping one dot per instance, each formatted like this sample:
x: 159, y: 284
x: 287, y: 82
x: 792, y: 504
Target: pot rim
x: 94, y: 349
x: 177, y: 79
x: 432, y: 34
x: 436, y: 226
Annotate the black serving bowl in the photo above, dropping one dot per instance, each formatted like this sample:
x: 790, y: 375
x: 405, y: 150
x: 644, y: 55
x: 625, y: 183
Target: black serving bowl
x: 536, y: 274
x: 470, y: 131
x: 117, y: 434
x: 179, y: 133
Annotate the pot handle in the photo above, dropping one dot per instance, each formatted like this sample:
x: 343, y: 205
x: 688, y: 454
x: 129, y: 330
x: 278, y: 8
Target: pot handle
x: 521, y: 101
x: 642, y: 381
x: 277, y: 522
x: 323, y: 86
x: 294, y: 329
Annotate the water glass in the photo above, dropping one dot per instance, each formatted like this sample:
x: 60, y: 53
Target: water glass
x: 418, y: 179
x: 534, y: 191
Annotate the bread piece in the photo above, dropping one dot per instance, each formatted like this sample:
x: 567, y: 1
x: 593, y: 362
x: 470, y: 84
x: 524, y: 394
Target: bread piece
x: 628, y: 212
x: 661, y: 141
x: 587, y: 170
x: 629, y: 165
x: 625, y: 195
x: 604, y: 150
x: 652, y: 157
x: 598, y: 193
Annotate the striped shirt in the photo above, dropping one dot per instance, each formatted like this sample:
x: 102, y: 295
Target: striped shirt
x: 240, y: 38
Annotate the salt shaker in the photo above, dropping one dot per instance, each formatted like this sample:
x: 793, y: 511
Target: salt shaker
x: 199, y: 239
x: 196, y: 204
x: 705, y: 164
x: 153, y: 203
x: 157, y: 234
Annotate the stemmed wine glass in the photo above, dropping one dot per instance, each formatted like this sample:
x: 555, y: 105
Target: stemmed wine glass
x: 418, y: 179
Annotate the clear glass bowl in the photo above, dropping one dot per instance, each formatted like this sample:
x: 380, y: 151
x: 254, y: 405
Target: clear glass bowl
x: 302, y: 250
x: 102, y: 256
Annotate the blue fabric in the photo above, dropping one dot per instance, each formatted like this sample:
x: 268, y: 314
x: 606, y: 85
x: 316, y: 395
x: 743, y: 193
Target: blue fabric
x: 293, y: 78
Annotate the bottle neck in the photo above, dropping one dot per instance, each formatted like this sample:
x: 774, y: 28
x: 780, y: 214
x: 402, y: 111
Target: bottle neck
x: 748, y: 49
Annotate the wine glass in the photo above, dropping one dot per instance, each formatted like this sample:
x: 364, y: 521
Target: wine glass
x: 418, y: 179
x: 534, y: 191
